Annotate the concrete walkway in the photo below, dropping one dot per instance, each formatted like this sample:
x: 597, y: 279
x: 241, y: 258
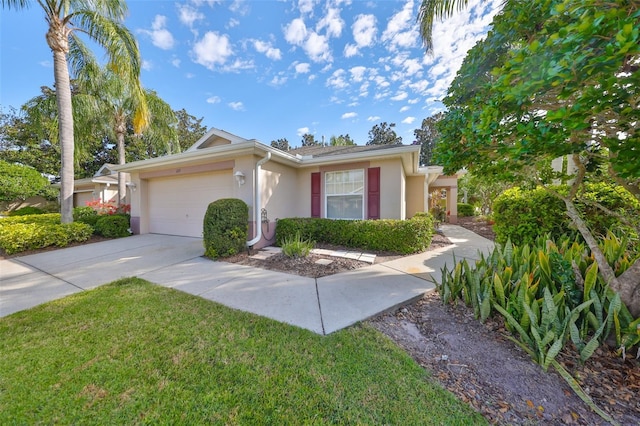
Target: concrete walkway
x: 321, y: 305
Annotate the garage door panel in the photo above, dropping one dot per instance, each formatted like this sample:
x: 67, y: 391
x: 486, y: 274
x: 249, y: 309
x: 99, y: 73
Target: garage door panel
x: 177, y: 204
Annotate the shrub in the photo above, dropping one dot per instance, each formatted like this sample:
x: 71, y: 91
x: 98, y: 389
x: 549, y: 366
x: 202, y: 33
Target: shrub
x: 295, y: 246
x: 225, y: 228
x: 465, y: 210
x: 42, y: 219
x: 86, y: 215
x: 522, y: 215
x: 25, y: 211
x: 18, y: 237
x: 113, y: 226
x: 398, y: 236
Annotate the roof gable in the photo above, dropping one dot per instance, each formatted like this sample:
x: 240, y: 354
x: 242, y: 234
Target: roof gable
x: 215, y: 137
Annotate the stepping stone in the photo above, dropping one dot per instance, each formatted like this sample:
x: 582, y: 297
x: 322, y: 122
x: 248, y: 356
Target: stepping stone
x: 324, y: 262
x: 366, y: 257
x: 260, y: 256
x: 352, y: 255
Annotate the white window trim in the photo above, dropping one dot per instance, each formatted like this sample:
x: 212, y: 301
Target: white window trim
x: 326, y: 195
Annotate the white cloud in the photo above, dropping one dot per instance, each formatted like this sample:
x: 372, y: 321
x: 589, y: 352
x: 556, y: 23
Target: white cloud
x: 413, y: 101
x: 332, y: 22
x: 408, y: 120
x: 278, y: 80
x: 337, y: 80
x: 349, y: 115
x: 266, y: 48
x: 405, y: 108
x: 236, y: 106
x: 317, y: 47
x: 402, y: 29
x: 147, y: 65
x: 400, y: 96
x: 233, y: 22
x: 46, y: 64
x: 188, y: 14
x: 240, y: 7
x: 238, y: 65
x: 214, y: 100
x: 213, y: 49
x: 296, y: 32
x: 364, y: 32
x: 451, y: 47
x: 306, y: 6
x: 160, y: 36
x: 373, y: 118
x: 302, y: 131
x: 302, y: 68
x: 350, y: 50
x: 357, y: 73
x: 176, y: 62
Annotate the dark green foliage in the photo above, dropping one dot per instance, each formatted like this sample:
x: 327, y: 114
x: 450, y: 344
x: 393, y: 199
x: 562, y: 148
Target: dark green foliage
x: 86, y: 215
x: 398, y: 236
x: 465, y: 210
x: 25, y: 211
x: 522, y: 215
x: 21, y: 233
x: 226, y: 226
x: 113, y: 226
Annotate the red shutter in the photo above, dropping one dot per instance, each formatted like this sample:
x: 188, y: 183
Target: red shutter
x: 315, y: 194
x: 373, y: 193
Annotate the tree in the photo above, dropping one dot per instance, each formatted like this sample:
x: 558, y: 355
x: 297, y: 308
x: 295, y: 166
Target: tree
x: 553, y: 79
x: 190, y: 129
x: 101, y: 21
x: 18, y: 182
x: 342, y: 140
x: 309, y: 140
x: 429, y: 11
x: 383, y: 134
x: 427, y: 137
x: 281, y: 144
x: 118, y: 105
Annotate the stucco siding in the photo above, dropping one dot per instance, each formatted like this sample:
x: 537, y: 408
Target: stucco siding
x: 392, y: 191
x: 416, y: 195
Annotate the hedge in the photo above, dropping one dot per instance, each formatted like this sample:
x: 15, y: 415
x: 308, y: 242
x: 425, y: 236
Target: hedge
x: 113, y: 226
x: 522, y: 215
x: 398, y: 236
x: 465, y: 210
x: 17, y: 237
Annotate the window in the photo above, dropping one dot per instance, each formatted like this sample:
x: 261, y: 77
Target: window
x: 344, y: 192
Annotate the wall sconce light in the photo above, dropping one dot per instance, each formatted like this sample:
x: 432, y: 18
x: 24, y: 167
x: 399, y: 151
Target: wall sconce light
x: 132, y: 185
x: 239, y: 177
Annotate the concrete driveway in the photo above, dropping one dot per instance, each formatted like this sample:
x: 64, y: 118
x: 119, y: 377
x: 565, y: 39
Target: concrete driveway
x: 28, y: 281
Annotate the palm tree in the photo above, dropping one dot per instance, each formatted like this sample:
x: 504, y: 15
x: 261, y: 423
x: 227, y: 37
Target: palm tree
x: 101, y: 21
x: 430, y: 10
x: 119, y: 106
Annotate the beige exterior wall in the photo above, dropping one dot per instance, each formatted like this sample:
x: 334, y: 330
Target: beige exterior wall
x: 392, y: 189
x: 303, y: 191
x: 450, y: 184
x: 279, y: 187
x: 416, y: 195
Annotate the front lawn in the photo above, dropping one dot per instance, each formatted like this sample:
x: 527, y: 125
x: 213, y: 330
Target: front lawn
x: 133, y: 352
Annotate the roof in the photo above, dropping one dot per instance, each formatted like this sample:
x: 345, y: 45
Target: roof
x: 325, y: 151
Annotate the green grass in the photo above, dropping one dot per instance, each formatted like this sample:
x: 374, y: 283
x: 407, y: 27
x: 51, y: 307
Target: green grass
x: 132, y: 352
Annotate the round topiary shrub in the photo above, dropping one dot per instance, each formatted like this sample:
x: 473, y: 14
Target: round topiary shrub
x: 523, y: 215
x: 225, y: 228
x: 86, y: 215
x: 465, y: 210
x: 113, y: 226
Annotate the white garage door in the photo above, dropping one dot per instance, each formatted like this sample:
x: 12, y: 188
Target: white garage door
x: 177, y: 204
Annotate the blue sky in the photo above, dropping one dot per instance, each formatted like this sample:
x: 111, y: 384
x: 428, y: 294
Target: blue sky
x: 269, y: 69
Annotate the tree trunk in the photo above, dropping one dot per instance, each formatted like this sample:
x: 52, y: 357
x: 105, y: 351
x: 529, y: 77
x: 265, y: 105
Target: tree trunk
x: 122, y: 184
x: 628, y: 284
x: 65, y: 122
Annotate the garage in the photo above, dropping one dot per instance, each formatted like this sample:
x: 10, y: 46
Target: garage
x: 81, y: 198
x: 177, y: 204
